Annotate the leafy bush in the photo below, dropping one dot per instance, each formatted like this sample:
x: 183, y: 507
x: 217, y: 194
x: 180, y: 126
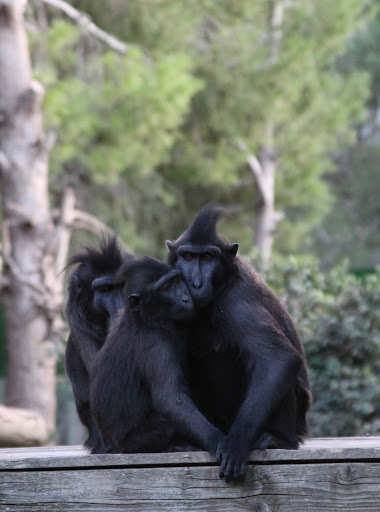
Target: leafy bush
x: 338, y: 316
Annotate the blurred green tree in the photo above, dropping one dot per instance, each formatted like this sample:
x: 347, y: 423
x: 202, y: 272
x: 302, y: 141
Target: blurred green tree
x: 275, y: 88
x: 116, y: 117
x: 353, y: 224
x: 270, y: 90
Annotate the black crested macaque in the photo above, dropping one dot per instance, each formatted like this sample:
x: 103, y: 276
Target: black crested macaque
x: 93, y: 301
x: 139, y: 393
x: 247, y: 367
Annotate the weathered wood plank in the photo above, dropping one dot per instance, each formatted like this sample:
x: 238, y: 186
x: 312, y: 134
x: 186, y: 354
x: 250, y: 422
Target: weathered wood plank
x: 348, y: 449
x: 339, y: 487
x: 326, y: 475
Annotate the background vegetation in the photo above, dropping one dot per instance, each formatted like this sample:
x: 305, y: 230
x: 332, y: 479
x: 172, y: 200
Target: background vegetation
x: 147, y: 138
x: 338, y: 315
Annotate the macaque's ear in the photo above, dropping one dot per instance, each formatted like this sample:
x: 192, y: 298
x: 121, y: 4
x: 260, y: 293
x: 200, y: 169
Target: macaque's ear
x: 134, y: 301
x: 170, y: 245
x: 233, y: 249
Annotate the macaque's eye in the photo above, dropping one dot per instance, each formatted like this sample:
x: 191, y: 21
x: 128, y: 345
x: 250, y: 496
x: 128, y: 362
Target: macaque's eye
x: 189, y: 256
x: 207, y: 256
x: 106, y: 288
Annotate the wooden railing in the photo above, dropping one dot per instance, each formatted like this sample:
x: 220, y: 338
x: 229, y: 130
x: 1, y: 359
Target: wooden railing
x: 325, y: 475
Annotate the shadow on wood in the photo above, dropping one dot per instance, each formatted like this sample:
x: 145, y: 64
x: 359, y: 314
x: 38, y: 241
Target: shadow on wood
x: 337, y: 474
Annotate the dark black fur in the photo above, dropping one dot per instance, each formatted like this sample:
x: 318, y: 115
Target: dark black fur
x: 139, y: 393
x: 247, y: 368
x: 93, y: 300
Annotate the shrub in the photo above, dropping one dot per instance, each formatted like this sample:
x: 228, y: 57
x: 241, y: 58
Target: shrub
x: 338, y: 316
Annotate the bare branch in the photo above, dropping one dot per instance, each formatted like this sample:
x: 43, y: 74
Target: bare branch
x: 84, y: 20
x: 256, y: 168
x: 251, y: 159
x: 78, y: 219
x: 86, y: 221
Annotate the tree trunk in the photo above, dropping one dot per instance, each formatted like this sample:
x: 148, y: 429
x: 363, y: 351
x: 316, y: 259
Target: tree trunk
x: 29, y: 293
x: 266, y: 217
x: 35, y: 241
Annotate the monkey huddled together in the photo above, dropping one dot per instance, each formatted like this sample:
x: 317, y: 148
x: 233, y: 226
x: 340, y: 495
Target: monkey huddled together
x: 193, y: 353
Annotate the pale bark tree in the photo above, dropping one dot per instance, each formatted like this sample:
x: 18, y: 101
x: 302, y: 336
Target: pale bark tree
x: 35, y: 239
x: 266, y: 217
x: 264, y: 166
x: 29, y: 245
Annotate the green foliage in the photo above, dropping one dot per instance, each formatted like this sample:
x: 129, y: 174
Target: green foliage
x: 110, y: 103
x: 363, y: 53
x: 116, y: 118
x: 296, y: 102
x: 338, y: 316
x: 161, y: 124
x: 353, y: 225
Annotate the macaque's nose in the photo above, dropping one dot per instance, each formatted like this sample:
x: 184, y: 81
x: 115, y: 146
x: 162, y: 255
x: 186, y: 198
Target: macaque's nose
x: 197, y: 284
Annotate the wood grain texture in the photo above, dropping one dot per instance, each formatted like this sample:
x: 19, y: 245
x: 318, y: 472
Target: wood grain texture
x: 350, y: 449
x: 318, y: 487
x: 327, y: 476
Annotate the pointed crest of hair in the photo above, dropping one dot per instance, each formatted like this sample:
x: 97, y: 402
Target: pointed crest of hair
x: 103, y: 258
x: 203, y: 229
